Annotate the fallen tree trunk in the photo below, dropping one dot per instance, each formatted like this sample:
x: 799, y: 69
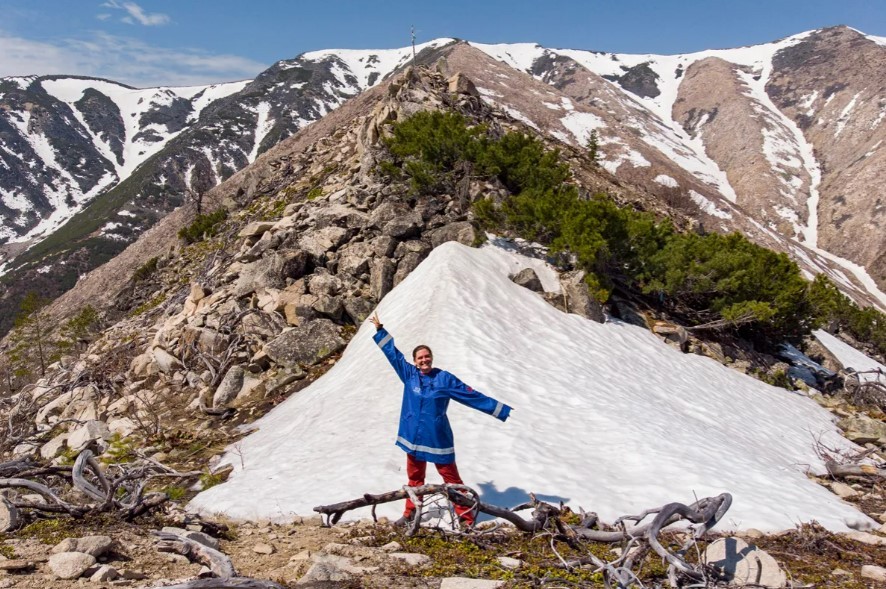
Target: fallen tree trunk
x: 704, y: 514
x: 218, y: 562
x: 846, y: 470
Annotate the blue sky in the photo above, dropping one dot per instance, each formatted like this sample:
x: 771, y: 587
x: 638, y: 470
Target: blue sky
x: 166, y: 42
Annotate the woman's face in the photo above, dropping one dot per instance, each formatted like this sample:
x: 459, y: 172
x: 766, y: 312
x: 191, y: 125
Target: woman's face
x: 424, y: 360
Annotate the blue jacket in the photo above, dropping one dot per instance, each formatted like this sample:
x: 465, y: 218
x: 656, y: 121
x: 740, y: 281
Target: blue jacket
x: 424, y: 428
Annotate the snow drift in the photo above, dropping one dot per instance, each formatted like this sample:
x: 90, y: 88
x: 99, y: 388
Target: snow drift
x: 606, y: 416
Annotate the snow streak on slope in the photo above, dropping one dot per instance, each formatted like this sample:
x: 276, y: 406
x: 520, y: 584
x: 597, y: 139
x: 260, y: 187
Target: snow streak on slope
x: 369, y: 67
x: 133, y: 105
x: 262, y: 126
x: 606, y: 416
x: 848, y: 356
x: 666, y: 135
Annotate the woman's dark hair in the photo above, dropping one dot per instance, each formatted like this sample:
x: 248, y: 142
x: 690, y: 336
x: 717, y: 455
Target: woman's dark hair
x: 421, y: 347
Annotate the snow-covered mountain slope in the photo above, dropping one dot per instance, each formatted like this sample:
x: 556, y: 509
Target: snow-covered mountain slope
x: 641, y: 151
x: 605, y: 416
x: 69, y: 139
x: 131, y: 156
x: 790, y: 131
x: 118, y: 128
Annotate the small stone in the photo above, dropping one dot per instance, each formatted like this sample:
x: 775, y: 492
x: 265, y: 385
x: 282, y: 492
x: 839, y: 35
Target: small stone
x: 866, y: 538
x: 132, y: 575
x: 874, y: 572
x: 302, y: 556
x: 840, y: 573
x: 510, y: 563
x: 70, y: 565
x: 262, y: 548
x: 753, y: 533
x: 843, y: 490
x: 17, y: 564
x: 411, y: 558
x: 104, y: 573
x: 392, y: 547
x: 94, y: 545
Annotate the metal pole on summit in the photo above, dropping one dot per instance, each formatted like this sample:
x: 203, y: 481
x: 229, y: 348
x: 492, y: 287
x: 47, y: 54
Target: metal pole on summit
x: 413, y: 46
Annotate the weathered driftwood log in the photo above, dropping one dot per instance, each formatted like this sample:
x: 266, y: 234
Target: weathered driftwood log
x: 218, y: 562
x: 9, y: 518
x: 57, y: 505
x: 83, y: 460
x: 847, y: 470
x: 639, y: 539
x: 455, y: 493
x: 229, y: 583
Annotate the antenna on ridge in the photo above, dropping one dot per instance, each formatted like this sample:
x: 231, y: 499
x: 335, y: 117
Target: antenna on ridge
x: 413, y: 46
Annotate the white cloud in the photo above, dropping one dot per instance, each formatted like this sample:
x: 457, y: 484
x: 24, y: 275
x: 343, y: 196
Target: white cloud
x: 122, y: 59
x: 103, y: 16
x: 136, y: 13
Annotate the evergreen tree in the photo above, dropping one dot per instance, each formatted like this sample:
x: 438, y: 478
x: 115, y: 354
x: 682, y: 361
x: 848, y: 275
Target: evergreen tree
x: 594, y: 147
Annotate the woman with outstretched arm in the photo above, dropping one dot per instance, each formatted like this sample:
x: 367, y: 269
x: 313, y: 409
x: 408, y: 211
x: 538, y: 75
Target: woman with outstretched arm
x: 424, y: 433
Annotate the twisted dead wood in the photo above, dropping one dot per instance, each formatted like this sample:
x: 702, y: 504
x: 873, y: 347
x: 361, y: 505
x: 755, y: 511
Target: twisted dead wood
x: 704, y: 513
x: 218, y: 562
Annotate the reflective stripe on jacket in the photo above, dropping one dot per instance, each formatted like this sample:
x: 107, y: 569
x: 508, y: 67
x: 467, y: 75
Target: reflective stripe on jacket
x: 424, y: 428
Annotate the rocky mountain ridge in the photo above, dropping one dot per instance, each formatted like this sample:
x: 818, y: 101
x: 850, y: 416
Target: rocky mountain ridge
x: 145, y: 153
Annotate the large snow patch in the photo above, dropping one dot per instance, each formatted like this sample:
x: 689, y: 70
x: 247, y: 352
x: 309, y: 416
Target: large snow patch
x: 606, y: 417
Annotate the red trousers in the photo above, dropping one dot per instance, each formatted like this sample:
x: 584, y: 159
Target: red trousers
x: 415, y: 470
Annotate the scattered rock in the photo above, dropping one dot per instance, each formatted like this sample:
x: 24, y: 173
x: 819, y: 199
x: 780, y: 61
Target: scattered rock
x: 93, y: 545
x: 579, y: 299
x: 16, y: 564
x: 866, y: 538
x: 392, y: 547
x: 330, y: 567
x: 70, y: 565
x: 263, y: 548
x: 843, y: 491
x: 461, y: 231
x: 256, y: 229
x: 877, y: 573
x: 166, y: 362
x: 88, y: 432
x: 306, y: 344
x: 744, y: 564
x: 510, y: 563
x: 861, y: 429
x: 527, y: 278
x: 104, y: 573
x: 229, y: 387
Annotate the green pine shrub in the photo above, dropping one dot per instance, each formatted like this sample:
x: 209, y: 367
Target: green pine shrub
x: 701, y: 278
x: 203, y: 226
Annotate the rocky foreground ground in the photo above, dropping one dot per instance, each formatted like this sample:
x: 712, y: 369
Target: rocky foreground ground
x: 99, y: 552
